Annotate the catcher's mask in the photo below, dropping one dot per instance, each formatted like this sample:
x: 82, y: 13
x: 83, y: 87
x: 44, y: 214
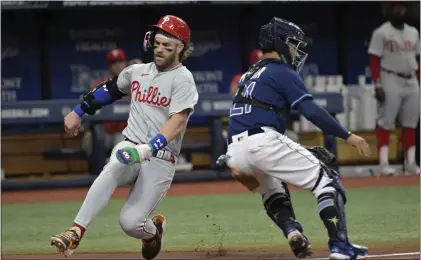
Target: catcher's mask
x: 287, y: 39
x: 171, y: 25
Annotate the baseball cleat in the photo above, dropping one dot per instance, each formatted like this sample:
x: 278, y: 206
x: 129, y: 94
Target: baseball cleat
x: 386, y: 170
x: 412, y: 169
x: 152, y: 247
x: 66, y: 242
x: 299, y: 244
x: 340, y: 250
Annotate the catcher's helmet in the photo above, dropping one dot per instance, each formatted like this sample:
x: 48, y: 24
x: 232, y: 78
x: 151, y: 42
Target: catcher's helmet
x: 286, y: 38
x: 172, y: 25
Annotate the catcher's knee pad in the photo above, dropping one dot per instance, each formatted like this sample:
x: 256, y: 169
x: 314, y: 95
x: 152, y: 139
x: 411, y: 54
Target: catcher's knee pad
x: 328, y: 181
x: 274, y: 192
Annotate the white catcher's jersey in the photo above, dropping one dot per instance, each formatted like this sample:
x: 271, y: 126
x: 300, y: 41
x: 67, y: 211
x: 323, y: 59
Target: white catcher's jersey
x: 155, y: 96
x: 397, y: 48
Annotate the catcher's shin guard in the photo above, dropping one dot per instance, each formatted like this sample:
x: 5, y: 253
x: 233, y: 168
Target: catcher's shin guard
x: 279, y: 208
x: 331, y: 208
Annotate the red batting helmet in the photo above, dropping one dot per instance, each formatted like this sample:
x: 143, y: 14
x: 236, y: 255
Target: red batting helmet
x: 255, y: 56
x: 116, y: 55
x: 172, y: 25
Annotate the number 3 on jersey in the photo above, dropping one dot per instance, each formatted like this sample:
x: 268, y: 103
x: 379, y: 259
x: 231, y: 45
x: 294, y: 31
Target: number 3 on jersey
x: 241, y: 109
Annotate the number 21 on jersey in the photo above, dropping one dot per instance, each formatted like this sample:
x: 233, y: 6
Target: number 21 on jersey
x: 240, y: 109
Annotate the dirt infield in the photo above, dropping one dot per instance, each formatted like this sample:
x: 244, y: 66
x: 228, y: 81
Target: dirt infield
x: 191, y: 256
x: 217, y: 187
x: 184, y: 189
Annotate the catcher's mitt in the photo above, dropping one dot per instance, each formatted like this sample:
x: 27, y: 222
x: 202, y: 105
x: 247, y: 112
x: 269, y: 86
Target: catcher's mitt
x: 322, y: 154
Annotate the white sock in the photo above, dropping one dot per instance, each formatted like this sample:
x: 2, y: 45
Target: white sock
x: 384, y: 155
x: 410, y: 155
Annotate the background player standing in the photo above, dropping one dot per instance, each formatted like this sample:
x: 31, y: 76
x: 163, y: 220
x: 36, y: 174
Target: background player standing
x: 163, y: 96
x: 394, y: 60
x: 259, y: 148
x: 255, y: 56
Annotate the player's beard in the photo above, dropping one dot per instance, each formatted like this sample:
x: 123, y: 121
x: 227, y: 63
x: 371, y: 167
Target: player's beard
x: 164, y: 63
x: 397, y: 20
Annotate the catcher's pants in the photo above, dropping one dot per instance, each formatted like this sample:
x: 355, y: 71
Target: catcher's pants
x: 272, y: 157
x: 150, y: 182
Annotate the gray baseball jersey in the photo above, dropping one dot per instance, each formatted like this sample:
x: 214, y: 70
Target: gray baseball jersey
x: 398, y: 50
x: 155, y: 97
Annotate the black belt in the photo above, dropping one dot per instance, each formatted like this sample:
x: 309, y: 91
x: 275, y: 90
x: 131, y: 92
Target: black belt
x: 160, y: 154
x: 250, y: 132
x: 402, y: 75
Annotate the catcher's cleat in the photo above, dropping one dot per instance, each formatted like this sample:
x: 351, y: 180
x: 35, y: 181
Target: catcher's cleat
x: 67, y: 241
x: 151, y: 247
x: 340, y: 250
x: 299, y: 244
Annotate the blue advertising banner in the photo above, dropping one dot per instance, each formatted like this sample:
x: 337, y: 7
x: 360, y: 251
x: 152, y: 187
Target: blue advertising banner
x: 317, y: 20
x: 359, y: 33
x: 20, y: 58
x: 80, y: 40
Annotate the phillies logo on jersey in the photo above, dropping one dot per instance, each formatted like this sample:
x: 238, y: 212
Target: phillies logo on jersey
x: 407, y: 46
x: 150, y: 96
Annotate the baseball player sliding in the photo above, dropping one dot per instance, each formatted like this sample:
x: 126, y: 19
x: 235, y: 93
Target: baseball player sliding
x: 163, y: 96
x: 258, y: 148
x: 394, y: 59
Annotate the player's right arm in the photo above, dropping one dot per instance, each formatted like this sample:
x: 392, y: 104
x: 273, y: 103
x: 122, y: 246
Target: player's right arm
x: 103, y: 94
x: 375, y: 52
x: 300, y: 99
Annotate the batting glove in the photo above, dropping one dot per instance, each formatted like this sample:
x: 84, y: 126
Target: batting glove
x: 132, y: 155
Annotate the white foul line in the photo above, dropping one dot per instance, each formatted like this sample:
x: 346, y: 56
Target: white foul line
x: 377, y: 256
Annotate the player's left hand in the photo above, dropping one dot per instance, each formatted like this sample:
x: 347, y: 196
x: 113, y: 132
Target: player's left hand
x: 132, y: 155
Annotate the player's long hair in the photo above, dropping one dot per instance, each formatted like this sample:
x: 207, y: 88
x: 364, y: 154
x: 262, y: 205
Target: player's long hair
x: 187, y: 51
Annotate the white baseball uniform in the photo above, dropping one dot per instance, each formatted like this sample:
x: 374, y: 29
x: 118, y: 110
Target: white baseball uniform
x: 155, y: 96
x: 398, y: 50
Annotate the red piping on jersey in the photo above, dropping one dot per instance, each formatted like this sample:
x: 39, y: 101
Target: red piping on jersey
x: 375, y: 68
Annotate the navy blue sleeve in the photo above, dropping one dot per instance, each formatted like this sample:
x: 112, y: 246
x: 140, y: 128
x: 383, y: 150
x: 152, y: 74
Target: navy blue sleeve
x: 293, y: 88
x: 322, y: 119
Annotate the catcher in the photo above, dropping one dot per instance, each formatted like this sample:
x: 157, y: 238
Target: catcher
x: 277, y: 200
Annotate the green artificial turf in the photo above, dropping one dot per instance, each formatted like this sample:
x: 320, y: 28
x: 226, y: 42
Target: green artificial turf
x: 376, y: 217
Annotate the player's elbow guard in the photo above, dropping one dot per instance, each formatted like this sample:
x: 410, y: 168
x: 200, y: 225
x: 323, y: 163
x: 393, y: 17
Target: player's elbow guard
x: 103, y: 94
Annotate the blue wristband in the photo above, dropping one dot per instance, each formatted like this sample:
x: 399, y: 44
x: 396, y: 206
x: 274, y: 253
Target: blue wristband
x: 78, y: 110
x: 158, y: 142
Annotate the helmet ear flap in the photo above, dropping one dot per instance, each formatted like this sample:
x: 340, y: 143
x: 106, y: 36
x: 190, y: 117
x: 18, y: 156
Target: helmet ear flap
x: 283, y: 50
x: 148, y: 40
